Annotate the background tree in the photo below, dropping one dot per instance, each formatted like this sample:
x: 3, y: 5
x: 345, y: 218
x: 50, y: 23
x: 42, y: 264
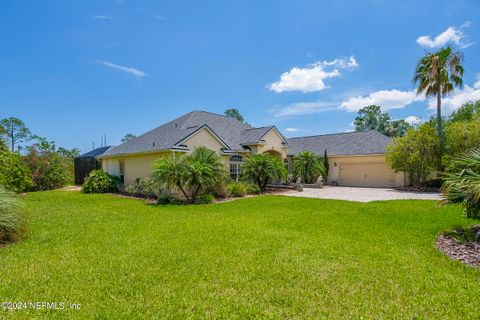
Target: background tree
x: 397, y: 128
x: 15, y: 131
x: 308, y: 166
x: 72, y: 153
x: 235, y: 114
x: 128, y: 137
x: 372, y: 118
x: 416, y: 153
x: 260, y: 168
x: 460, y: 137
x: 437, y: 74
x: 468, y: 112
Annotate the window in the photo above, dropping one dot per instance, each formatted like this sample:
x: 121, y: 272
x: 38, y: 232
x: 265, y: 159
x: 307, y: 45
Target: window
x: 235, y: 167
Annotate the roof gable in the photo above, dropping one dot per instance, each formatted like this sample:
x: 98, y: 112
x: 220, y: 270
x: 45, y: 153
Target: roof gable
x: 198, y: 131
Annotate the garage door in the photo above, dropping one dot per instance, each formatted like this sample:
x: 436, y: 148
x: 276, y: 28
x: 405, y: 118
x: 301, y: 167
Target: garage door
x: 376, y: 174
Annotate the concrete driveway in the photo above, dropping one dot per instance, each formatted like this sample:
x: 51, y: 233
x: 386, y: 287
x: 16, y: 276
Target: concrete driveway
x: 362, y: 194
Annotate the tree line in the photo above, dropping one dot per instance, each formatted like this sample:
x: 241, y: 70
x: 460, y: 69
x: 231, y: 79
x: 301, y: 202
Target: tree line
x: 29, y: 162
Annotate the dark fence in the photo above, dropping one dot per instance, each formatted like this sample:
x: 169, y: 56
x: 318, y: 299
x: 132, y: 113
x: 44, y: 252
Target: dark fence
x: 83, y: 167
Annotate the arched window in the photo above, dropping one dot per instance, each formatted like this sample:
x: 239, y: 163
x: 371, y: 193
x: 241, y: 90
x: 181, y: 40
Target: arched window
x: 235, y: 166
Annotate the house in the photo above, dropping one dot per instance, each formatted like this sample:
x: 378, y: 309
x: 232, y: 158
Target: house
x: 231, y: 139
x: 356, y: 159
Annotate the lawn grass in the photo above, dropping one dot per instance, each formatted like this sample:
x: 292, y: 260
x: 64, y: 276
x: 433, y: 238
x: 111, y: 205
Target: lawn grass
x: 265, y: 257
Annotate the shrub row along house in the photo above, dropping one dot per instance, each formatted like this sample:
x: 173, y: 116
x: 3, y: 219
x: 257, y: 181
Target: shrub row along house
x: 355, y: 158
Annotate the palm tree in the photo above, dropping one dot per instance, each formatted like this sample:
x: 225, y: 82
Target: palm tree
x: 170, y: 173
x: 308, y: 166
x: 437, y: 74
x: 462, y: 185
x: 203, y: 169
x: 259, y: 168
x: 194, y: 173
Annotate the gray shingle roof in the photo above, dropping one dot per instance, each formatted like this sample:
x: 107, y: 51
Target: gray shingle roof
x: 254, y: 134
x: 231, y: 131
x: 349, y: 143
x: 95, y: 152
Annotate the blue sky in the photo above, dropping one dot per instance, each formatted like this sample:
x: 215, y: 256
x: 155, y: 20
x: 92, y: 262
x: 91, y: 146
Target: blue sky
x: 76, y: 70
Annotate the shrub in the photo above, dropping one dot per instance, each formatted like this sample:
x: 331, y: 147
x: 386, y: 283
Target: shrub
x: 205, y: 199
x: 49, y: 170
x: 100, y: 182
x: 252, y: 188
x: 220, y: 188
x: 416, y: 153
x: 146, y: 187
x: 168, y: 199
x: 462, y: 184
x: 236, y: 189
x: 11, y: 221
x: 13, y: 175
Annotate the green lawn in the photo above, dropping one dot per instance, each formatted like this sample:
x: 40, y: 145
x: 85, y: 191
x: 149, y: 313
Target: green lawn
x: 264, y: 257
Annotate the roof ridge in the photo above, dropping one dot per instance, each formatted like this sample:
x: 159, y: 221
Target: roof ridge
x: 255, y: 128
x: 334, y: 134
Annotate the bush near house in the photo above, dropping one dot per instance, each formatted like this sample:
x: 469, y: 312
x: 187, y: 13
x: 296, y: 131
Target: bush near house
x: 145, y: 187
x: 205, y: 199
x: 462, y: 184
x: 100, y: 182
x: 252, y: 188
x: 236, y: 189
x: 168, y: 199
x: 11, y: 220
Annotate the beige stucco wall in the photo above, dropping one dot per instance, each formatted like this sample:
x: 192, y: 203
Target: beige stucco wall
x: 141, y: 165
x: 381, y: 174
x: 204, y: 138
x: 273, y: 142
x: 137, y: 166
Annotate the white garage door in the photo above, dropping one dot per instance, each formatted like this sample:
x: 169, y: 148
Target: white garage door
x: 376, y: 174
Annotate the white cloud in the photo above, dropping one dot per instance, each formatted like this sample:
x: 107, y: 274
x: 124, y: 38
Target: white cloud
x: 387, y: 99
x: 413, y: 120
x: 133, y: 71
x: 458, y: 98
x: 311, y: 78
x: 304, y: 108
x: 451, y: 35
x: 102, y: 17
x: 292, y: 129
x: 159, y: 17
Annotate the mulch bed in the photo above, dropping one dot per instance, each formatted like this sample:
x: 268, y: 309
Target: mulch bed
x: 468, y: 253
x: 420, y: 189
